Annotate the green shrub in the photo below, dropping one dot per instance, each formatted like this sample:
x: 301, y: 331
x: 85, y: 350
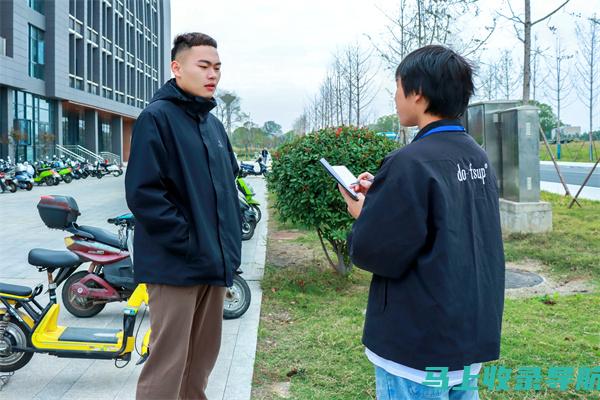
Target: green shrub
x: 308, y: 196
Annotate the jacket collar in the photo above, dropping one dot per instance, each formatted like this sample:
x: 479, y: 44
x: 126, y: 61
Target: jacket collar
x: 436, y: 124
x: 195, y: 105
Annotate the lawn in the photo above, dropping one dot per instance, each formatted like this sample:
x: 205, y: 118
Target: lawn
x: 572, y: 249
x: 574, y: 151
x: 311, y: 320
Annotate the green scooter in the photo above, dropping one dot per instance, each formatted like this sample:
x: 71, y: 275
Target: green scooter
x: 66, y: 173
x: 248, y: 193
x: 45, y: 174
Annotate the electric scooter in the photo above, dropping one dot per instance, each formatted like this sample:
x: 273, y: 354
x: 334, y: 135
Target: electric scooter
x: 248, y: 193
x: 27, y: 328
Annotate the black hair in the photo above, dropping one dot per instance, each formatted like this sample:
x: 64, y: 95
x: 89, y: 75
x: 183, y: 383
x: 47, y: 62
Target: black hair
x: 191, y: 39
x: 442, y: 76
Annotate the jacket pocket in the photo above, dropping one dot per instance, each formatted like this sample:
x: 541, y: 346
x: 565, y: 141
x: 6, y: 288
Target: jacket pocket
x: 192, y: 245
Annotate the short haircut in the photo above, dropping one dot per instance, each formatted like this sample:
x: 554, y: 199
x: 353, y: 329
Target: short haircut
x: 191, y: 39
x: 442, y: 76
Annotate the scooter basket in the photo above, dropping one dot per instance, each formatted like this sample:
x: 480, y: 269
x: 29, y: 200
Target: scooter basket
x: 58, y: 212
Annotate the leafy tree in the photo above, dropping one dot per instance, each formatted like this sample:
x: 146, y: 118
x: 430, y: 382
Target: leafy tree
x: 386, y: 123
x: 272, y: 128
x: 308, y: 196
x: 548, y: 120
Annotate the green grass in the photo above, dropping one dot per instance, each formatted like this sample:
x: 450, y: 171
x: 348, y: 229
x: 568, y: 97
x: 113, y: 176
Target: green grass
x: 312, y: 322
x: 574, y: 151
x: 312, y: 319
x: 572, y: 249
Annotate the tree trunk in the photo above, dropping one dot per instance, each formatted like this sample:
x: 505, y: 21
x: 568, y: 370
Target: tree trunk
x: 527, y: 52
x: 342, y: 265
x: 592, y: 63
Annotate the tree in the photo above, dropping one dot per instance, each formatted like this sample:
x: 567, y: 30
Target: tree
x: 522, y: 28
x: 588, y: 70
x: 346, y: 92
x: 228, y: 109
x: 272, y: 128
x: 548, y: 120
x: 488, y: 81
x: 559, y: 87
x: 507, y: 81
x: 386, y: 123
x: 306, y: 195
x: 300, y: 124
x: 422, y: 22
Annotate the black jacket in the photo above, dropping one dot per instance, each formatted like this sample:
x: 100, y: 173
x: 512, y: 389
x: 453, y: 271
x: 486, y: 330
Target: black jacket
x: 430, y: 233
x: 180, y: 188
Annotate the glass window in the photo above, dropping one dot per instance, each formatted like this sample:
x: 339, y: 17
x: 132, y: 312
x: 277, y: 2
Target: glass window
x: 37, y: 5
x: 105, y: 137
x: 36, y: 52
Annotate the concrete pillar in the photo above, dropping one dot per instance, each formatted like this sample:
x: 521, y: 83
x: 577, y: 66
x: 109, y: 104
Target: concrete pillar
x: 91, y: 130
x: 58, y: 125
x: 116, y: 131
x: 4, y: 121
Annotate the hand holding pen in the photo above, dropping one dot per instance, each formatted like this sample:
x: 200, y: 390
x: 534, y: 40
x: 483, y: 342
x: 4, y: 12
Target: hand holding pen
x: 363, y: 183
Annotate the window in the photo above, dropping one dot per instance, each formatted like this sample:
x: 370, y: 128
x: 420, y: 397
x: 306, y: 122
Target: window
x: 105, y: 136
x: 33, y: 118
x: 37, y: 5
x: 36, y: 52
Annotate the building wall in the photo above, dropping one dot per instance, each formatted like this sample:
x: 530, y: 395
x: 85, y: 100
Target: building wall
x: 143, y: 55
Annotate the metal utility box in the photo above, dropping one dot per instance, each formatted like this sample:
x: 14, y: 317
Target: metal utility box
x: 520, y: 129
x: 482, y: 123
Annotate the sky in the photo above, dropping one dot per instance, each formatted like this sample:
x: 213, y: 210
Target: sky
x: 276, y: 53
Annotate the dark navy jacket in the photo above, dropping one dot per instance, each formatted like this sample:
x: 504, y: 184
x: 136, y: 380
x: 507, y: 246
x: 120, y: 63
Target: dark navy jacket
x: 180, y: 187
x: 430, y: 233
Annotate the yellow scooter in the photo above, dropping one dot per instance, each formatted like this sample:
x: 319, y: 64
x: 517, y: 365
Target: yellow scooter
x: 27, y: 328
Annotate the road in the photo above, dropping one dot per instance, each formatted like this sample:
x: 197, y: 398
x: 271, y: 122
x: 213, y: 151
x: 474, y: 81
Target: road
x: 573, y: 174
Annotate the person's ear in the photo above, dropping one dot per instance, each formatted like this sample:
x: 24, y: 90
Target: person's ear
x: 176, y: 68
x: 421, y: 100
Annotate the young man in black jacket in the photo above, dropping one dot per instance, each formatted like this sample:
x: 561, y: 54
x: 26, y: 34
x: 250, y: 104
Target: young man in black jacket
x: 180, y: 188
x: 428, y: 228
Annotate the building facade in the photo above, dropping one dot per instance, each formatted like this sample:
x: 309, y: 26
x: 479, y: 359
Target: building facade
x: 78, y: 72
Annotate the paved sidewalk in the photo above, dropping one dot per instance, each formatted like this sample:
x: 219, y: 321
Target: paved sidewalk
x: 47, y: 377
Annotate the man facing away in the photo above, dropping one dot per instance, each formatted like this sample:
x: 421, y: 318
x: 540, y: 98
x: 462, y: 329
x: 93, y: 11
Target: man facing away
x: 180, y: 188
x: 428, y: 228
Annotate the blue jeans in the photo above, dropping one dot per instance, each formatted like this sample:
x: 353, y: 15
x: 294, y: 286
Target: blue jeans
x: 392, y: 387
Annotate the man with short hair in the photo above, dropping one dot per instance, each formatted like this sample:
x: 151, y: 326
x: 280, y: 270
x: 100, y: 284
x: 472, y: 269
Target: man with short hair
x: 180, y: 188
x: 428, y: 228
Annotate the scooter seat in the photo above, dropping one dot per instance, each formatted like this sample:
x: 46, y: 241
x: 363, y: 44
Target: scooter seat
x: 53, y: 259
x: 104, y: 236
x: 15, y: 290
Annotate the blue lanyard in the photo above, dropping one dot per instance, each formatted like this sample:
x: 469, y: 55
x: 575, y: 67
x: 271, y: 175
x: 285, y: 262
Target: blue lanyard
x: 440, y: 129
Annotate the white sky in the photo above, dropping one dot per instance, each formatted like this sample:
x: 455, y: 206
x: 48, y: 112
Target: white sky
x: 275, y: 53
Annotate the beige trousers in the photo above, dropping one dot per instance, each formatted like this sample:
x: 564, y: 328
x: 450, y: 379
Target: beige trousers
x: 186, y: 326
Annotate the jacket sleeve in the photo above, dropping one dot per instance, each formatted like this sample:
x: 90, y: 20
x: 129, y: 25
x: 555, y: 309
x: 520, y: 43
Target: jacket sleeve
x: 145, y: 189
x: 392, y: 226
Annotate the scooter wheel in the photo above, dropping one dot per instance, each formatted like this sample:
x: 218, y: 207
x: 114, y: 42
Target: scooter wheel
x: 12, y: 187
x: 237, y: 298
x: 118, y: 173
x: 28, y: 186
x: 56, y: 181
x: 81, y: 307
x: 247, y: 230
x: 15, y: 334
x: 67, y: 178
x: 99, y: 175
x: 49, y: 181
x: 258, y: 212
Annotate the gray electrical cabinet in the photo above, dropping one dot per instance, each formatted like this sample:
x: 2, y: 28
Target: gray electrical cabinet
x: 520, y: 131
x: 481, y: 123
